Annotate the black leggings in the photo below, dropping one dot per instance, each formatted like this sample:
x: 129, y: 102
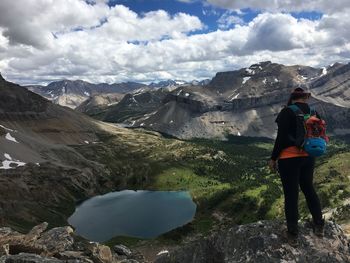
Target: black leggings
x: 294, y: 172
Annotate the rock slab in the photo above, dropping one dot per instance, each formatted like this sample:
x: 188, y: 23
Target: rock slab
x: 264, y: 242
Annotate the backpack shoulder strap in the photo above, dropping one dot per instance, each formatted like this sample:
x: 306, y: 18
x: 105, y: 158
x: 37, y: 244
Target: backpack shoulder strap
x: 313, y: 112
x: 297, y: 111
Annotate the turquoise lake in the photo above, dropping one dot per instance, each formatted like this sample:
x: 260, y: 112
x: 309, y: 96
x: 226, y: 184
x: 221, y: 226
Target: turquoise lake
x: 141, y: 214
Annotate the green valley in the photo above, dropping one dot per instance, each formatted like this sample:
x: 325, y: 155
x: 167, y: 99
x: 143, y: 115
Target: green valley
x: 229, y: 180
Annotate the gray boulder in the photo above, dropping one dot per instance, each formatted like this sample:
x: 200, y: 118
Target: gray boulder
x: 122, y: 250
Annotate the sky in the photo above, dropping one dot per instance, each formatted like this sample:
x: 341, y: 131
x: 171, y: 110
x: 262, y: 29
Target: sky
x: 152, y: 40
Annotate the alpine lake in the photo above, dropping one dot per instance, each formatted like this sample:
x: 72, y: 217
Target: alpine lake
x: 140, y: 214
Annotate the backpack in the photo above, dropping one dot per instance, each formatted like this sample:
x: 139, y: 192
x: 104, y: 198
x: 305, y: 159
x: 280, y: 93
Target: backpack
x: 310, y: 132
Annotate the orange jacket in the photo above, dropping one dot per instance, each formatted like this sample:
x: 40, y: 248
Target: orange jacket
x: 292, y: 152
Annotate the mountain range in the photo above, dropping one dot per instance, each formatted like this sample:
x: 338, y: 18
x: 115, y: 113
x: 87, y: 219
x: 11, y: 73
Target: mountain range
x: 73, y: 93
x: 241, y: 102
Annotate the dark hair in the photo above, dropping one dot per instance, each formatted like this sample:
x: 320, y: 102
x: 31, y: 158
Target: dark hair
x: 298, y: 93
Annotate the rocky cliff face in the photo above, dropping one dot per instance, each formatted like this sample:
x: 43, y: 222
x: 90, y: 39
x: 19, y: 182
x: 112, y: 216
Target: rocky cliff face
x: 264, y: 242
x: 334, y: 85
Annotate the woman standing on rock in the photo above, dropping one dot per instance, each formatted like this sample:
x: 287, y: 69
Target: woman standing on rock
x: 295, y: 166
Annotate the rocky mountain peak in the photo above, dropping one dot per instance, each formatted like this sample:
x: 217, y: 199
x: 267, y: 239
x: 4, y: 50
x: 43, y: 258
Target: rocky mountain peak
x: 253, y: 81
x: 258, y: 67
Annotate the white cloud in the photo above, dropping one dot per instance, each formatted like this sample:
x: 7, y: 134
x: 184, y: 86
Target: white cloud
x: 156, y: 45
x: 278, y: 32
x: 229, y: 19
x: 325, y: 6
x: 124, y: 24
x: 32, y: 22
x: 35, y: 22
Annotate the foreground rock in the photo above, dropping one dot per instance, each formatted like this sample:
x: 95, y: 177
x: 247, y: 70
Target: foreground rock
x: 264, y: 242
x: 56, y: 245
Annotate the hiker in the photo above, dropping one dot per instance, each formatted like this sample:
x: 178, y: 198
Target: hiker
x: 295, y: 165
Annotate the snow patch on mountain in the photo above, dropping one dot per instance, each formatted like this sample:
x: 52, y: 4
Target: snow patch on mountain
x: 250, y: 71
x: 163, y: 252
x: 134, y: 100
x: 7, y: 129
x: 10, y: 138
x: 245, y: 79
x: 235, y: 97
x: 112, y: 103
x: 9, y: 162
x: 180, y: 82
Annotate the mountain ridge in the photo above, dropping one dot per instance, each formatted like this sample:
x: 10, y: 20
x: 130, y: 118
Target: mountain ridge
x: 242, y: 102
x: 72, y: 93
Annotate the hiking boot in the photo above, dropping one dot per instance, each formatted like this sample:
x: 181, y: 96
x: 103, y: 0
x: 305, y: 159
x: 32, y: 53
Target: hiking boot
x: 292, y: 234
x: 292, y: 239
x: 318, y: 228
x: 293, y: 229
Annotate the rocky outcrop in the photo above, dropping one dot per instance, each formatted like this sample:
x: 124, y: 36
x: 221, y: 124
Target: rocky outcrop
x: 264, y: 242
x: 333, y: 86
x: 261, y: 242
x: 134, y: 106
x: 57, y: 245
x: 261, y: 79
x: 97, y: 105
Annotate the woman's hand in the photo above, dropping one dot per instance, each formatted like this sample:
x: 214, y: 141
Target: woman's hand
x: 273, y: 165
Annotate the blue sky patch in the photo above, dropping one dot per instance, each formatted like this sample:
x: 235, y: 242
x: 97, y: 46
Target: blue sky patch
x: 209, y: 15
